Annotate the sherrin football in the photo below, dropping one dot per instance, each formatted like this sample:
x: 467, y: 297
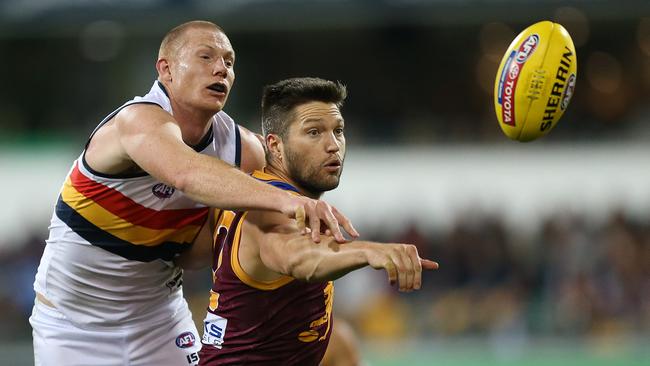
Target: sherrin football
x: 535, y: 81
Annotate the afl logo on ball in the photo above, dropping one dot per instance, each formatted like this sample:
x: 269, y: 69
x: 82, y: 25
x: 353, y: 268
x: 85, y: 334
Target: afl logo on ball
x: 527, y: 48
x: 162, y: 190
x: 568, y: 91
x: 185, y: 340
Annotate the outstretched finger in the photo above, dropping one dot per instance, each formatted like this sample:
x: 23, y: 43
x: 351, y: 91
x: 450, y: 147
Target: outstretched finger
x: 427, y: 264
x: 345, y: 222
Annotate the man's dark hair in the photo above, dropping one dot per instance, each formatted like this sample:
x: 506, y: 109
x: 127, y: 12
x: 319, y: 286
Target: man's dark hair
x: 279, y: 100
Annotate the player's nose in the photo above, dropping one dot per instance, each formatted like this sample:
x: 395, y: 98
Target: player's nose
x: 220, y: 67
x: 332, y: 143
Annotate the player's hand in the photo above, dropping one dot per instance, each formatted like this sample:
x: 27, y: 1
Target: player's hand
x: 312, y: 214
x: 402, y: 263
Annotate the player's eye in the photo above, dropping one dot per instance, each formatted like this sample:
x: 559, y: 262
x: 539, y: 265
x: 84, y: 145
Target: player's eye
x: 205, y: 57
x: 229, y: 63
x: 313, y: 132
x: 339, y: 131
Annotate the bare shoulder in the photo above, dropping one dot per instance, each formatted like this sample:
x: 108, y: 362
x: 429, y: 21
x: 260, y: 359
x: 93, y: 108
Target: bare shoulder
x: 247, y: 134
x: 142, y: 115
x: 253, y: 157
x: 107, y: 151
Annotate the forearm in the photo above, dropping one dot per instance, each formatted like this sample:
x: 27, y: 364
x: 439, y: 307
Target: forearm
x: 152, y: 140
x: 326, y: 261
x: 217, y: 184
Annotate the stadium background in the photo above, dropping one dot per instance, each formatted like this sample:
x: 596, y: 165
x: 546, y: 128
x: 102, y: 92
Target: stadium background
x: 544, y: 247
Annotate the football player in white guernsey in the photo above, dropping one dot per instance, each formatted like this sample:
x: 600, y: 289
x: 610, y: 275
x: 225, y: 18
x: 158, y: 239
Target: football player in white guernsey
x: 108, y: 291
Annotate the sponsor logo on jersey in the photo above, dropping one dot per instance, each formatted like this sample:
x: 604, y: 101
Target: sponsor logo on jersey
x: 214, y: 330
x: 162, y: 190
x: 185, y: 340
x: 177, y: 279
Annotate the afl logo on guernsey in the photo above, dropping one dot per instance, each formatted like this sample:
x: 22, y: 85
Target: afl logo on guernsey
x: 185, y: 340
x: 162, y: 190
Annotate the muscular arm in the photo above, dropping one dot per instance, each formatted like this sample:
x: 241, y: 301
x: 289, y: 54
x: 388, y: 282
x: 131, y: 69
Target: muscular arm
x: 149, y: 137
x: 283, y: 250
x: 152, y: 139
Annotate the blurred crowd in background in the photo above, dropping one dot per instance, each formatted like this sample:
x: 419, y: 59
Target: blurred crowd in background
x: 418, y: 72
x: 569, y: 279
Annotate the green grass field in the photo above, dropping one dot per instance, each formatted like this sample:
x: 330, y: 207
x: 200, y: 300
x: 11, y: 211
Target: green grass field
x: 480, y: 352
x: 463, y: 352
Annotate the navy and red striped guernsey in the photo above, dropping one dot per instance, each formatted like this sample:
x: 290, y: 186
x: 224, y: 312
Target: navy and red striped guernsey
x: 109, y: 255
x: 110, y: 219
x: 249, y: 322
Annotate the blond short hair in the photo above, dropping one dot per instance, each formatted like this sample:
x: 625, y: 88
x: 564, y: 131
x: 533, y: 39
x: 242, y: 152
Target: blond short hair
x: 173, y: 38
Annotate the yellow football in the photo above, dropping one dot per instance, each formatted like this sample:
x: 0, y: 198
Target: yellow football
x: 535, y: 81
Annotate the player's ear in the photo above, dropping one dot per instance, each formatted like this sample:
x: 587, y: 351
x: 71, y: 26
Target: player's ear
x: 274, y: 146
x: 164, y: 71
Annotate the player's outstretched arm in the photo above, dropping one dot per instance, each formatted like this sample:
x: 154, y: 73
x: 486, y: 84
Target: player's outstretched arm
x: 150, y: 137
x: 284, y: 250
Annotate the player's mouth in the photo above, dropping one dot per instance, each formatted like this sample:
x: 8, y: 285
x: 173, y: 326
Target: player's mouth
x: 333, y: 165
x: 218, y: 88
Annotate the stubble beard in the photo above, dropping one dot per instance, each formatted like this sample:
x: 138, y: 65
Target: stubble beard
x: 307, y: 177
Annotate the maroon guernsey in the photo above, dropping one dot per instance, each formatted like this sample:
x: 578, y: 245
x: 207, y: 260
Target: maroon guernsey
x: 284, y: 322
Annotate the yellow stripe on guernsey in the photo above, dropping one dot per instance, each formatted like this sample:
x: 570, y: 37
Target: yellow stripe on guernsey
x: 275, y: 181
x: 242, y: 275
x: 265, y: 176
x: 312, y: 334
x: 120, y: 228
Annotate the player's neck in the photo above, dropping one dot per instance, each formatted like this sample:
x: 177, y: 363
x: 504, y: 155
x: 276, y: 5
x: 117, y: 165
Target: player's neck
x: 282, y: 174
x: 194, y: 124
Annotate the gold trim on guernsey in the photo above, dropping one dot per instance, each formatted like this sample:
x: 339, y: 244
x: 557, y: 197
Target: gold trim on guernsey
x: 312, y: 334
x: 242, y: 275
x: 120, y: 228
x: 266, y: 176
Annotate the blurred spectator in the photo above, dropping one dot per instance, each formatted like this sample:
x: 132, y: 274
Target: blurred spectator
x: 17, y: 271
x: 571, y: 278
